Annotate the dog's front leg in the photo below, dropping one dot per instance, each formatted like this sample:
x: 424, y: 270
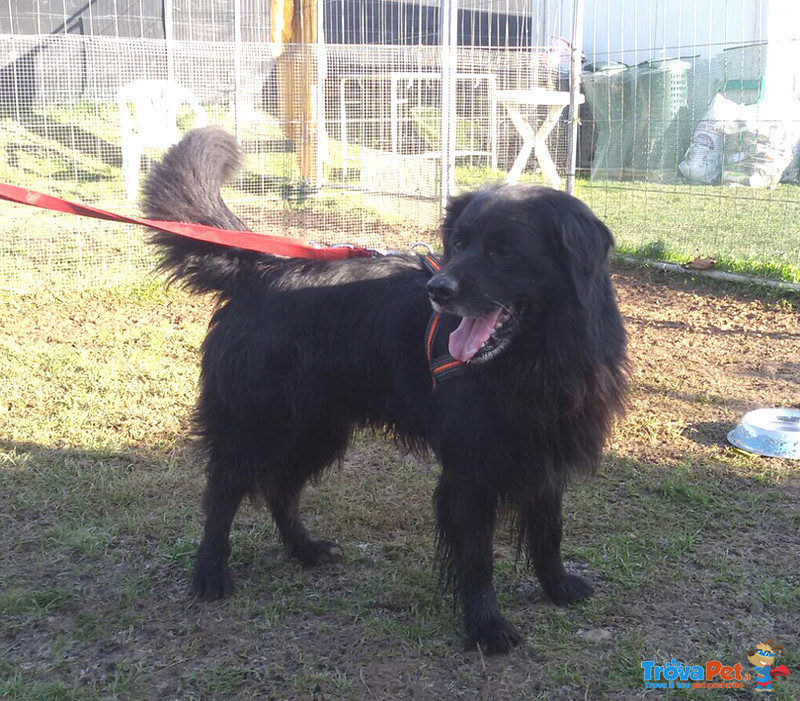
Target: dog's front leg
x: 540, y: 521
x: 466, y: 510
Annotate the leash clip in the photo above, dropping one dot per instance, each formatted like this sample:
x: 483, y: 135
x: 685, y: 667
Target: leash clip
x: 417, y: 244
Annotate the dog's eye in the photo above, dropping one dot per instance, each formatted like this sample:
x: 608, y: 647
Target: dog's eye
x: 458, y: 245
x: 500, y: 249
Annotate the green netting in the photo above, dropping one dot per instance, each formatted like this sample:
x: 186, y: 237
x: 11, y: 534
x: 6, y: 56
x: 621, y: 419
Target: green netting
x: 610, y: 98
x: 663, y: 117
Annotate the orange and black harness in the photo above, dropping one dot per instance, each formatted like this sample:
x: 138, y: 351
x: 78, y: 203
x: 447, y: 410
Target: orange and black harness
x: 441, y: 366
x: 444, y: 365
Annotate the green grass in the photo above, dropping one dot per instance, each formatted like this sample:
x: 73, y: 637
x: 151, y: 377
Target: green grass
x: 747, y: 230
x: 100, y: 496
x: 39, y: 603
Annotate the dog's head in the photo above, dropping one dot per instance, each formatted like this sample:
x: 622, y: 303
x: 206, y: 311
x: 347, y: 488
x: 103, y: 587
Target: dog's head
x: 509, y: 251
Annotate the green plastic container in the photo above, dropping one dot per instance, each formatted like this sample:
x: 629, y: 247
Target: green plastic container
x: 609, y: 95
x: 663, y: 127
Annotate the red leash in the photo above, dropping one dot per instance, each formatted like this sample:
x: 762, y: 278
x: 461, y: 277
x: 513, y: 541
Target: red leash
x: 264, y: 243
x: 440, y: 367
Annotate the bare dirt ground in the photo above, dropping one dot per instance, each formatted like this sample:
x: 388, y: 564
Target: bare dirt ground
x: 703, y: 354
x: 692, y: 547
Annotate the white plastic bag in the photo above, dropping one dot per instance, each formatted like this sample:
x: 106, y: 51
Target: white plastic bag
x: 703, y: 161
x: 763, y: 148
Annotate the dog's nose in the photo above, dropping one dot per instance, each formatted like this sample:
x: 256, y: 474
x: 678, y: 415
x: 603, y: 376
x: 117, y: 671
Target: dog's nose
x: 442, y: 288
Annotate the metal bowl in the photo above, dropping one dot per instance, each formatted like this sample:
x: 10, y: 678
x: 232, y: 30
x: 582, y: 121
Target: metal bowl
x: 774, y: 433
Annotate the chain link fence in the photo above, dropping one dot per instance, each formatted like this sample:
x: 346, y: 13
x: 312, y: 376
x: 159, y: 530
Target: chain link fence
x: 353, y: 114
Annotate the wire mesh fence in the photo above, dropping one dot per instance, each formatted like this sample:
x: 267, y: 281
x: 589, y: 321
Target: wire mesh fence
x: 353, y: 113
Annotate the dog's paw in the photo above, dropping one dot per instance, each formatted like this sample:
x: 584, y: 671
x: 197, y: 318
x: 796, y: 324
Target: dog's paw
x: 211, y: 584
x: 496, y: 636
x: 317, y: 552
x: 571, y: 590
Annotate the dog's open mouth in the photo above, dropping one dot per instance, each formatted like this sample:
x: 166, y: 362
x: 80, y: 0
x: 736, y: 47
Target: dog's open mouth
x: 480, y: 338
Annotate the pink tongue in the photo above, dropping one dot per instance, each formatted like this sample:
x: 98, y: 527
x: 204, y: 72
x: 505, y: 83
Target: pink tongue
x: 471, y: 334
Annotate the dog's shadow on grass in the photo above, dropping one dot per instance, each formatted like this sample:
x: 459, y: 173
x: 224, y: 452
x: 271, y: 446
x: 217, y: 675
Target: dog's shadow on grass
x: 709, y: 433
x: 120, y: 458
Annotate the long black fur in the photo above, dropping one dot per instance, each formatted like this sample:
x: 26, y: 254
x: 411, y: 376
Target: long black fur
x: 299, y: 353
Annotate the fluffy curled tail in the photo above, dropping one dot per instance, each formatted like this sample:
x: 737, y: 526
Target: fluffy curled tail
x: 185, y: 187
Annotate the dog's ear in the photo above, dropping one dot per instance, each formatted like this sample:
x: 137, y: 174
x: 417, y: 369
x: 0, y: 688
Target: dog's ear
x: 585, y: 243
x: 455, y: 206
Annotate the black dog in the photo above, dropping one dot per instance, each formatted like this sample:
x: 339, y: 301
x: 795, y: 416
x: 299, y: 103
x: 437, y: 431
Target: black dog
x: 300, y: 352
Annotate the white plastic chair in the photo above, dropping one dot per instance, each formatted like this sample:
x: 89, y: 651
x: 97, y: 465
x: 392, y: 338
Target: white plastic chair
x: 148, y: 113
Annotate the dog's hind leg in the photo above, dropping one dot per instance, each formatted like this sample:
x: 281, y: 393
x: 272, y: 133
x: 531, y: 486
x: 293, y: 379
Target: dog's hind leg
x: 212, y: 579
x: 540, y: 524
x: 284, y: 504
x: 311, y: 454
x: 276, y: 464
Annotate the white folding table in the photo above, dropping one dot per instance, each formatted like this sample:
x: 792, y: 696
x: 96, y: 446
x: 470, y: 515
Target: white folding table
x: 514, y: 101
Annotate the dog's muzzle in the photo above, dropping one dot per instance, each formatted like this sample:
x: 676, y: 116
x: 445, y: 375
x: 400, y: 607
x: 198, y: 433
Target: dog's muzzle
x: 442, y: 289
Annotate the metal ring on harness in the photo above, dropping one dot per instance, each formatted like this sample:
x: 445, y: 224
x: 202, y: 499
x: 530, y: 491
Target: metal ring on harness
x: 428, y: 248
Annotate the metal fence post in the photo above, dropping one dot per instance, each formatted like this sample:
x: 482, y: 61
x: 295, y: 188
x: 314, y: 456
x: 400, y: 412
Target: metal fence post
x: 575, y: 67
x: 322, y: 74
x: 237, y: 68
x: 449, y: 46
x: 169, y: 38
